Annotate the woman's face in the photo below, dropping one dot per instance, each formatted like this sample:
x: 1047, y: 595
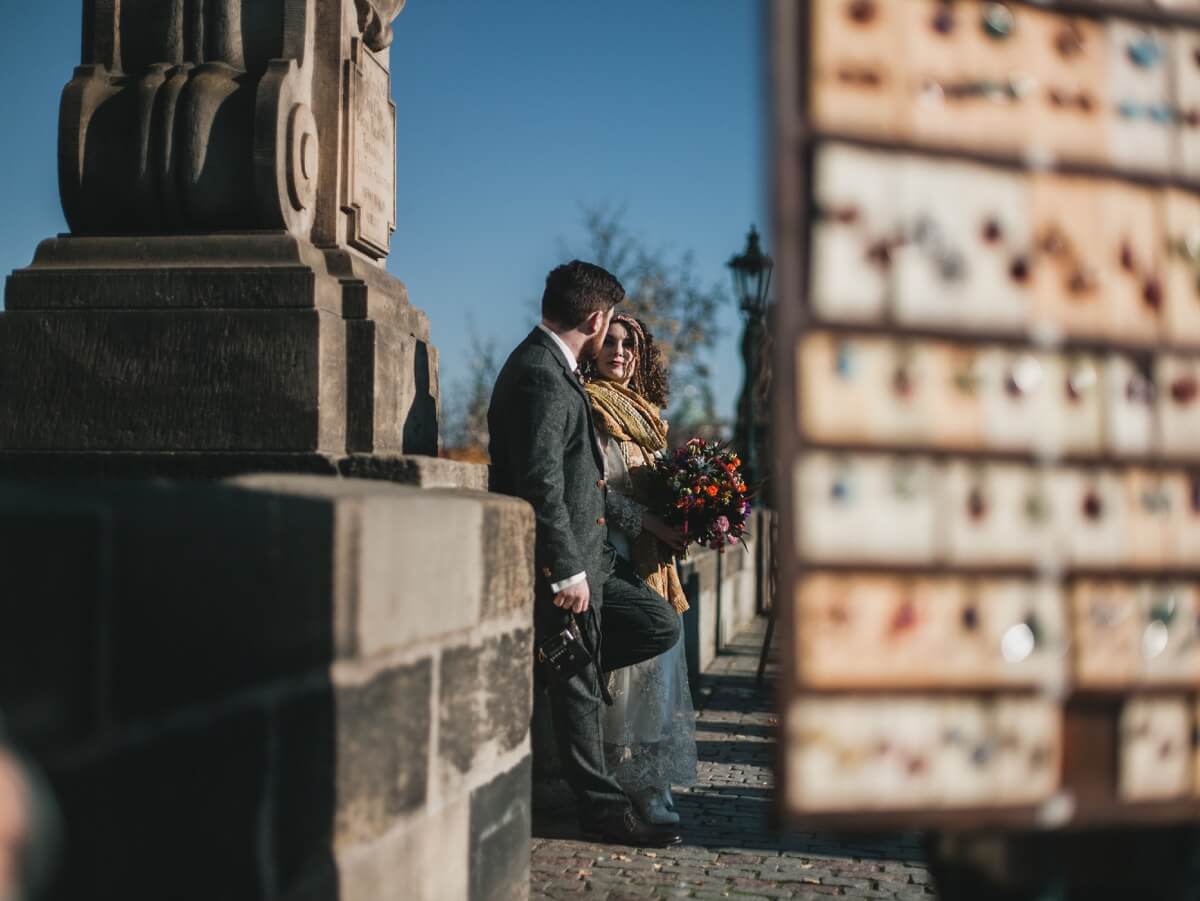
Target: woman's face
x: 617, y: 359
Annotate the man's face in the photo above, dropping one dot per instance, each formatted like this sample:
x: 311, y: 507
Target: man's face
x: 592, y: 349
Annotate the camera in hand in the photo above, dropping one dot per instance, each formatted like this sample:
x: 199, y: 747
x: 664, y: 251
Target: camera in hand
x: 564, y: 651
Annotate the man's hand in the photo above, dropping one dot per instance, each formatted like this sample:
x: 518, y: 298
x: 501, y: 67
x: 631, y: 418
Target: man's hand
x: 671, y: 536
x: 575, y: 598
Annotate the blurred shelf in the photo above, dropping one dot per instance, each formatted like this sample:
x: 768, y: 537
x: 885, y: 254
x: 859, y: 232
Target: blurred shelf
x: 980, y: 819
x: 1032, y: 160
x: 805, y: 565
x: 977, y: 819
x: 1020, y: 338
x: 1001, y: 455
x: 944, y: 689
x: 1116, y: 9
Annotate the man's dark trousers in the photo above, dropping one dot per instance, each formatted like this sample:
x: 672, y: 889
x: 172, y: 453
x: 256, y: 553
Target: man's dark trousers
x: 636, y: 624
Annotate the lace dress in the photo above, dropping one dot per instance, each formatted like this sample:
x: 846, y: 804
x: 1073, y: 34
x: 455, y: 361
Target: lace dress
x: 650, y: 729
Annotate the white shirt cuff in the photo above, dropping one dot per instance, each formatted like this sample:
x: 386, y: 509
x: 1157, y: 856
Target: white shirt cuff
x: 556, y: 587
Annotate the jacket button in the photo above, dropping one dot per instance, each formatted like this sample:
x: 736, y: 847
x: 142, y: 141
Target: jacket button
x: 546, y: 572
x: 600, y: 521
x: 600, y: 483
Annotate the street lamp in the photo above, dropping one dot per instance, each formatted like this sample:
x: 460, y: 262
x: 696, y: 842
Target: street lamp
x: 751, y: 282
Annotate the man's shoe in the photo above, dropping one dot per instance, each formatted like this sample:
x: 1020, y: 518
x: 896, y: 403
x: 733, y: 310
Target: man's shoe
x: 627, y: 829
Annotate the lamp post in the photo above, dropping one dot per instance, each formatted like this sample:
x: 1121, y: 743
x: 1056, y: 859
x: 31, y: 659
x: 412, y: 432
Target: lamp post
x: 751, y: 283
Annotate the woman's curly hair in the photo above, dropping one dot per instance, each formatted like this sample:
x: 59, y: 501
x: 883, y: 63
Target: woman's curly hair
x: 650, y: 371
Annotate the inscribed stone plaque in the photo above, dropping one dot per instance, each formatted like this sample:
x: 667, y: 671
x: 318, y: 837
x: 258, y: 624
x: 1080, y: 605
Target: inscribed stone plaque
x: 370, y: 189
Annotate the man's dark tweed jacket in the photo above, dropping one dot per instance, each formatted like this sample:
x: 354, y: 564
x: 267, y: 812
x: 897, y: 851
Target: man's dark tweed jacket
x: 543, y: 449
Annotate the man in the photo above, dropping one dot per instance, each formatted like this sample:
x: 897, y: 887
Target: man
x: 543, y: 449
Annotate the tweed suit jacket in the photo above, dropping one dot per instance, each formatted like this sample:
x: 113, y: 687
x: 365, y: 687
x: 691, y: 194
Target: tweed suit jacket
x: 543, y: 449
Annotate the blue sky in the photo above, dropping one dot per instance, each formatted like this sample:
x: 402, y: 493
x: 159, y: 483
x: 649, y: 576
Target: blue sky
x: 512, y: 117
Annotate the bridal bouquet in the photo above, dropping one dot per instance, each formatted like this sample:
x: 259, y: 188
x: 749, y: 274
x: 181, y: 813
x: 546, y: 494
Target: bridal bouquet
x: 706, y: 494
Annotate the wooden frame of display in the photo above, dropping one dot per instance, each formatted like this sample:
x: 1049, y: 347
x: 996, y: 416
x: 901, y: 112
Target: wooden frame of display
x: 1088, y: 796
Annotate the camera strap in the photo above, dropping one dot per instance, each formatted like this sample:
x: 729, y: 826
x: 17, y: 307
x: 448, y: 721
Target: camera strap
x: 594, y: 653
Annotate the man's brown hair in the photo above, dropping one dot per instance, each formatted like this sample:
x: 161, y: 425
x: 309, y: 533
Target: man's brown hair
x: 577, y: 289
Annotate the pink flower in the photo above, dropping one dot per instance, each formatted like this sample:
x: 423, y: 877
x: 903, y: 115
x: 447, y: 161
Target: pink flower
x: 722, y: 524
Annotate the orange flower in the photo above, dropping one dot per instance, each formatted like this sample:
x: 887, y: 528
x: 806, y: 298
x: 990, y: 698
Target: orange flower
x: 712, y: 490
x: 741, y: 489
x: 736, y: 461
x: 699, y: 502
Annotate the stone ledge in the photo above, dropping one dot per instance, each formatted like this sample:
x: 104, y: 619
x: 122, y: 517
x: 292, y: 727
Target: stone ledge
x: 283, y: 573
x: 425, y: 472
x: 403, y: 469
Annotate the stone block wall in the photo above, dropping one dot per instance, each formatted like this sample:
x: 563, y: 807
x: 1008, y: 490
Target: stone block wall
x: 726, y: 592
x: 277, y: 687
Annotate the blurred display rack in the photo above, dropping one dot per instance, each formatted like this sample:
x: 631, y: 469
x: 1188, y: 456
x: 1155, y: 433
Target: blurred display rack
x: 1003, y: 455
x: 1027, y: 339
x: 1088, y: 800
x: 1138, y: 12
x: 1033, y: 162
x: 1089, y: 795
x: 1029, y: 571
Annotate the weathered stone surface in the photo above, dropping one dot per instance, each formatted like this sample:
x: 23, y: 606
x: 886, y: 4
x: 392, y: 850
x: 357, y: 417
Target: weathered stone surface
x: 56, y: 576
x: 189, y: 117
x: 211, y: 288
x: 306, y: 793
x: 433, y: 531
x: 500, y: 830
x: 508, y: 571
x: 176, y: 815
x: 426, y: 857
x: 405, y: 393
x: 485, y: 699
x: 419, y: 471
x: 402, y: 469
x: 699, y: 578
x: 352, y: 761
x: 219, y: 590
x: 383, y: 748
x: 509, y: 680
x: 458, y: 711
x: 215, y: 380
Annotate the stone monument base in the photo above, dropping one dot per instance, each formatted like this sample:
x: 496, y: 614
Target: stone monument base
x: 254, y: 342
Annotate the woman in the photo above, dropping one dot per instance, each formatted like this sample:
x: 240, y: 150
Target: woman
x: 649, y: 730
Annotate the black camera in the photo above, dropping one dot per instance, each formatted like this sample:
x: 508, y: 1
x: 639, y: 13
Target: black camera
x: 564, y: 651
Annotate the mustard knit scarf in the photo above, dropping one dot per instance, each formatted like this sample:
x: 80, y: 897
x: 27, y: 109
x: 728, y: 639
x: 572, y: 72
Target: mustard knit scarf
x: 632, y: 420
x: 628, y: 416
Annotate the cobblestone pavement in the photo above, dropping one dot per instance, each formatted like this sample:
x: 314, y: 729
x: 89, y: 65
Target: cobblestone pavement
x: 729, y: 849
